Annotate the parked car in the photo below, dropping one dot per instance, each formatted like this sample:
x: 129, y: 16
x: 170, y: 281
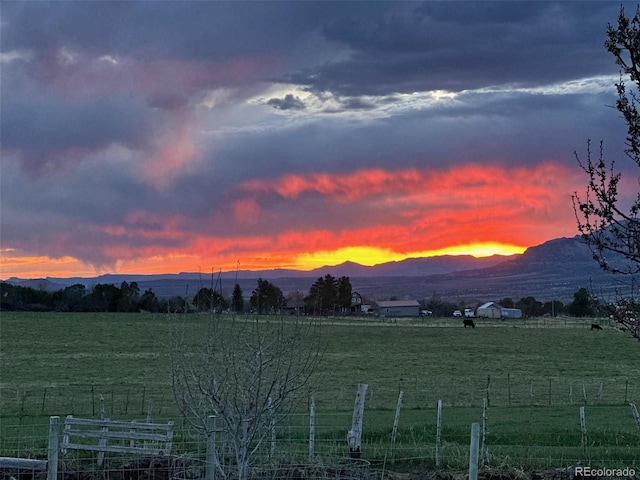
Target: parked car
x: 426, y: 313
x: 457, y: 313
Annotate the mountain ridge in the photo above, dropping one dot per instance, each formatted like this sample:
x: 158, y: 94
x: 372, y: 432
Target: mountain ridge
x: 555, y: 269
x: 412, y: 266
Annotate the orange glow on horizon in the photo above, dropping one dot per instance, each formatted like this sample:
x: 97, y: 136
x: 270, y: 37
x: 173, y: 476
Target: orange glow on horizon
x: 371, y: 256
x: 40, y: 267
x: 302, y: 222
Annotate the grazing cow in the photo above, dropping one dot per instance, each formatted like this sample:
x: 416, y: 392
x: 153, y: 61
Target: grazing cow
x: 468, y: 323
x: 595, y: 326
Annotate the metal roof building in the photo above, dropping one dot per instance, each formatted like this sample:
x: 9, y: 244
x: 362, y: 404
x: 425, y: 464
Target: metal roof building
x: 490, y: 310
x: 495, y: 310
x: 398, y: 308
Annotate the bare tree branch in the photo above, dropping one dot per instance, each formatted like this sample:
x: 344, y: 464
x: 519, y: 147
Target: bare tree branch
x: 608, y: 224
x: 248, y: 371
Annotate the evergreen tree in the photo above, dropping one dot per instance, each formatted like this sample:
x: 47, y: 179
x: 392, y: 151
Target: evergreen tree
x: 237, y: 302
x: 344, y: 293
x: 327, y: 295
x: 149, y: 302
x: 267, y: 298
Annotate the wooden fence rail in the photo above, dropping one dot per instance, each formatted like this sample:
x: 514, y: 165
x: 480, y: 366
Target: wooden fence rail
x: 22, y: 463
x: 142, y: 438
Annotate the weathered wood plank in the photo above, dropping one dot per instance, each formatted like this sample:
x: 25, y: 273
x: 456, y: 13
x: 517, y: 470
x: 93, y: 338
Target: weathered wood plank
x: 53, y: 451
x: 211, y: 460
x: 117, y: 449
x: 129, y: 435
x: 354, y: 436
x: 118, y: 424
x: 22, y: 463
x: 104, y: 430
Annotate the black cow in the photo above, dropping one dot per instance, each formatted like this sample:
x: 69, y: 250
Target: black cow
x: 595, y: 326
x: 468, y: 323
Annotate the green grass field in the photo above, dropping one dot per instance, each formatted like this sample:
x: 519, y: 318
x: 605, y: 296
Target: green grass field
x: 538, y: 371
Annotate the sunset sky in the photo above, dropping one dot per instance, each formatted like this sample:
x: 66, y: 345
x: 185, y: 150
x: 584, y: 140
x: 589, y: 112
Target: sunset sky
x: 162, y: 137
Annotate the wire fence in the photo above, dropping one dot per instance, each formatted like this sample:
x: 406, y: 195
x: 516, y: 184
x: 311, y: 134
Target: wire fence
x: 534, y: 437
x: 29, y: 400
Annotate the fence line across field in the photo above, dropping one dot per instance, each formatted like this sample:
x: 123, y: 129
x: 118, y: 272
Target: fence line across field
x: 297, y: 427
x: 99, y: 429
x: 103, y: 430
x: 419, y: 392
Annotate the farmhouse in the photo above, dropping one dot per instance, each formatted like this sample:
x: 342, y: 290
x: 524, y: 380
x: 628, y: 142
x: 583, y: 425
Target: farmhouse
x: 495, y: 310
x: 398, y: 308
x: 356, y: 303
x: 294, y: 307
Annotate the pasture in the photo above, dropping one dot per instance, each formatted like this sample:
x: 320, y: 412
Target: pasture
x: 536, y: 373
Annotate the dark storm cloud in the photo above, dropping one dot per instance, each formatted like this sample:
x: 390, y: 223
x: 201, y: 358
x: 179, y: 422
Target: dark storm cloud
x: 213, y: 31
x: 386, y: 47
x: 289, y: 102
x: 464, y: 46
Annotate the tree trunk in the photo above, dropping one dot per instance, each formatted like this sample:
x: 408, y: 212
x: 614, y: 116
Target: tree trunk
x: 242, y: 455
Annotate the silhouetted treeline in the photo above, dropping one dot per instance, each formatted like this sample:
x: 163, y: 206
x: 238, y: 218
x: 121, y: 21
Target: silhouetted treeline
x: 327, y: 296
x: 583, y: 305
x: 267, y: 298
x: 76, y: 298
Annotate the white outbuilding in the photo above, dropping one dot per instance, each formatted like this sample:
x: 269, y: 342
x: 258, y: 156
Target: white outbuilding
x: 495, y: 310
x: 490, y: 310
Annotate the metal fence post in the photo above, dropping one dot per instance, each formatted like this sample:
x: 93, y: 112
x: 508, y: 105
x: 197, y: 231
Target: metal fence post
x: 583, y: 428
x: 438, y: 433
x: 473, y: 451
x: 312, y: 429
x: 394, y: 431
x: 634, y: 412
